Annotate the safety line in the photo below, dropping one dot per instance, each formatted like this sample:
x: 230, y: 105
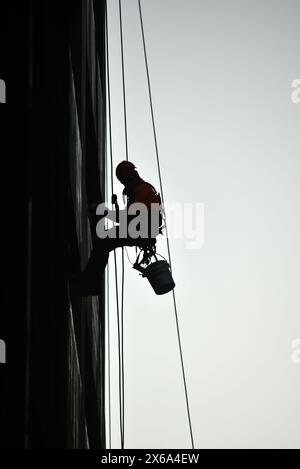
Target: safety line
x: 123, y: 273
x: 168, y: 244
x: 108, y: 327
x: 129, y: 260
x: 123, y: 79
x: 108, y: 358
x: 115, y: 256
x: 122, y: 347
x: 107, y: 272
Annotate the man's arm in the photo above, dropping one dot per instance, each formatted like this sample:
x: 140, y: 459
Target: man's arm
x: 104, y: 211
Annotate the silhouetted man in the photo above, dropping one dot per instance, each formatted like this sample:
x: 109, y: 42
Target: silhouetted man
x: 138, y: 225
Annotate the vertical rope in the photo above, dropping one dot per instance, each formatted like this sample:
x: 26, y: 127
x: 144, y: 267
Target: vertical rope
x: 123, y: 79
x: 108, y: 359
x: 126, y: 148
x: 115, y: 256
x: 168, y: 244
x: 122, y: 347
x: 107, y: 273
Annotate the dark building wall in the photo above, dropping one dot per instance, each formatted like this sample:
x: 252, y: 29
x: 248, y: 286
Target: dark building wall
x: 14, y: 151
x: 60, y: 393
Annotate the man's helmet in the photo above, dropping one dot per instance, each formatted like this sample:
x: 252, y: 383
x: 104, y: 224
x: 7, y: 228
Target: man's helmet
x: 123, y: 170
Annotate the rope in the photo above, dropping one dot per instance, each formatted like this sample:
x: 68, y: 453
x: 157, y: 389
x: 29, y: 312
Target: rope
x: 115, y: 256
x: 123, y: 274
x: 123, y: 79
x: 108, y: 330
x: 108, y: 360
x: 120, y: 356
x: 129, y: 260
x: 122, y: 344
x: 107, y: 273
x: 168, y: 244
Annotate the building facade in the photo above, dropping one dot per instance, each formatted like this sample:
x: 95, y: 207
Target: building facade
x: 53, y: 381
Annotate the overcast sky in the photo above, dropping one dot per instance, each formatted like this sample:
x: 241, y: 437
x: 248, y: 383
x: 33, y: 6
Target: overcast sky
x: 228, y: 136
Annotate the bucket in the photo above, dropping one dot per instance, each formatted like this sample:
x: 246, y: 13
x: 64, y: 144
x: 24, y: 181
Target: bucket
x: 160, y: 277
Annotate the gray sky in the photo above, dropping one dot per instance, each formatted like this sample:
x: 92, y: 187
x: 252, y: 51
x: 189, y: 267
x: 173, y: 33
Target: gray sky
x: 228, y: 135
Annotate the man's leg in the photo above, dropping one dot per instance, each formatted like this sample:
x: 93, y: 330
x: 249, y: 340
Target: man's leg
x: 88, y: 282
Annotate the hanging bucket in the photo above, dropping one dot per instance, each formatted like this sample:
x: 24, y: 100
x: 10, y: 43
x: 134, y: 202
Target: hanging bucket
x: 160, y: 277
